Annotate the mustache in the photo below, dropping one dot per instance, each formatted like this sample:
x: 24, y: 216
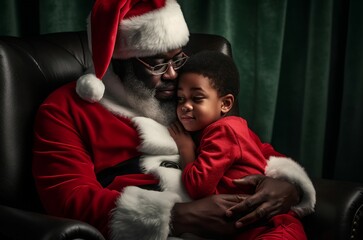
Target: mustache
x: 164, y: 86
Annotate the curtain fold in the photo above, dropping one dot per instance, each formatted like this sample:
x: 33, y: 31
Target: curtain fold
x: 350, y: 141
x: 316, y: 85
x: 64, y: 15
x: 300, y: 66
x: 32, y: 17
x: 10, y: 18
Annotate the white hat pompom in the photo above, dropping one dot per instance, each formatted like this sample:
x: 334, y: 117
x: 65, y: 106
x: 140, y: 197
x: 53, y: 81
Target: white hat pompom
x: 90, y: 88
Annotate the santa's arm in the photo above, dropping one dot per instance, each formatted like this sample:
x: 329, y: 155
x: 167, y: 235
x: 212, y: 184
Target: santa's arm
x: 287, y: 169
x: 282, y: 167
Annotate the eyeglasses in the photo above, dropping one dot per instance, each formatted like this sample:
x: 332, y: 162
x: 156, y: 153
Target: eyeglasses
x: 162, y: 68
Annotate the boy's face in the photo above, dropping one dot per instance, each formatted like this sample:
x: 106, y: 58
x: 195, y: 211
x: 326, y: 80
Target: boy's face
x: 198, y: 102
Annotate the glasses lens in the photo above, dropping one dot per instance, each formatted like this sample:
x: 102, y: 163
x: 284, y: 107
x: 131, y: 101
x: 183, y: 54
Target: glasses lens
x: 163, y: 67
x: 179, y: 63
x: 160, y: 68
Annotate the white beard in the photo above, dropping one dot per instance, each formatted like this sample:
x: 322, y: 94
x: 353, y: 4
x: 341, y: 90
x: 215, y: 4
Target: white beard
x: 131, y: 92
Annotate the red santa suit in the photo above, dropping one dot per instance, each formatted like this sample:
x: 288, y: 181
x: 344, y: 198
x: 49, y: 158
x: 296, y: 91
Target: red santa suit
x: 76, y: 140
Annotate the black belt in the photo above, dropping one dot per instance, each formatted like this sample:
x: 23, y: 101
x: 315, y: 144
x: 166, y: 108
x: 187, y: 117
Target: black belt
x: 130, y: 166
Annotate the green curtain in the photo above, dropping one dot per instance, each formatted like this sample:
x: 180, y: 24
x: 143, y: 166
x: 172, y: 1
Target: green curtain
x: 299, y: 61
x: 32, y: 17
x: 301, y: 80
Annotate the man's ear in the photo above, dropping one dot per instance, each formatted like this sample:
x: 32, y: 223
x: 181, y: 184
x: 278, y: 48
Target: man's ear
x: 227, y: 103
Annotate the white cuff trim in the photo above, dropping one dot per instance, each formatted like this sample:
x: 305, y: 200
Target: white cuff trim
x: 142, y: 214
x: 286, y: 168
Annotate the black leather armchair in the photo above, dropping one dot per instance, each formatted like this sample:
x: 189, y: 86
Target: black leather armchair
x: 32, y: 67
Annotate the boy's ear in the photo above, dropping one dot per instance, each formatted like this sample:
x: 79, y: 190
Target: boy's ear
x: 227, y: 103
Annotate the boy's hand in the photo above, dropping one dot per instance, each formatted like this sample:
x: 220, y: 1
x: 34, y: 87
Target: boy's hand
x: 181, y: 137
x: 183, y: 141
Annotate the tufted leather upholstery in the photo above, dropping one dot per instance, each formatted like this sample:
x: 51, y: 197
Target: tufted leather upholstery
x: 30, y: 68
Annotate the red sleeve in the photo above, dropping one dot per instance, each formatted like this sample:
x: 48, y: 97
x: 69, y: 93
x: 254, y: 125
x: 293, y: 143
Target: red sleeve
x: 64, y: 171
x: 218, y: 149
x: 266, y: 148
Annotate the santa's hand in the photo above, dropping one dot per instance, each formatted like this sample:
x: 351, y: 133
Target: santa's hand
x: 272, y: 196
x: 205, y: 217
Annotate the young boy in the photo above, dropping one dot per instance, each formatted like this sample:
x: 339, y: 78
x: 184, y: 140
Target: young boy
x: 224, y: 148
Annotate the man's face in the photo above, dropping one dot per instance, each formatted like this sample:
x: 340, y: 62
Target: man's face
x: 149, y: 94
x: 163, y: 84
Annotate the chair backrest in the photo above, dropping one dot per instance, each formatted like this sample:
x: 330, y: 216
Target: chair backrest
x: 31, y: 68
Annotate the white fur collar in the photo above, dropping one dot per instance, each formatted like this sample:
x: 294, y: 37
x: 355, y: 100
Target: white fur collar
x: 155, y: 138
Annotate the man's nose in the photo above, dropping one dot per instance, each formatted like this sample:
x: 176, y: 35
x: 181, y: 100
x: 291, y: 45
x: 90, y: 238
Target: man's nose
x: 170, y: 73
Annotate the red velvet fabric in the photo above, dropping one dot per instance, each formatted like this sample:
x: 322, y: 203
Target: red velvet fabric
x: 280, y: 227
x: 226, y: 152
x: 74, y: 140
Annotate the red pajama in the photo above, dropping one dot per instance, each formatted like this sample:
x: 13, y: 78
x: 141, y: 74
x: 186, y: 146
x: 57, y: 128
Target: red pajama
x: 280, y: 227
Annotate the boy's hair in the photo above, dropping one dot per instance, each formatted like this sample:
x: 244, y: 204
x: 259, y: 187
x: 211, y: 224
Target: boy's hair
x: 218, y: 67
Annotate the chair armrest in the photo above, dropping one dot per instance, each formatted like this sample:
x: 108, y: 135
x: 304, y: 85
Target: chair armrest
x: 20, y: 224
x: 338, y: 213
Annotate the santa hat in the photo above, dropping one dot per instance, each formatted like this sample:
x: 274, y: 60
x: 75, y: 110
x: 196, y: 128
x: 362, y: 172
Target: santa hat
x: 124, y: 29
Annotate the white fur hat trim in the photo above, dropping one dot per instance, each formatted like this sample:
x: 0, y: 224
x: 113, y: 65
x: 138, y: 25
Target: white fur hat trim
x: 154, y: 32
